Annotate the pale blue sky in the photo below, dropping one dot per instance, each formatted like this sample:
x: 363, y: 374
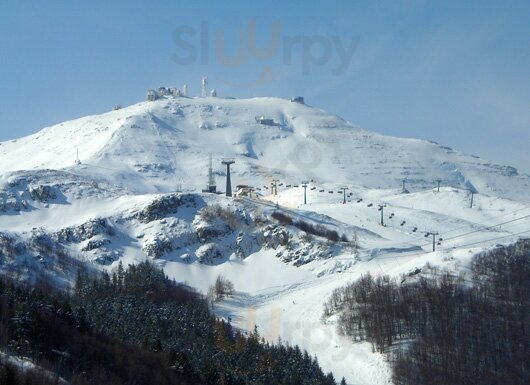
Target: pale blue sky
x: 456, y: 72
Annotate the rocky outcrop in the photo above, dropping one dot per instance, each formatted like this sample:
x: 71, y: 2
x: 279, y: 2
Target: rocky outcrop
x: 275, y: 236
x: 107, y: 258
x: 159, y: 208
x: 12, y: 201
x: 304, y: 253
x: 208, y: 230
x: 164, y: 206
x: 43, y: 193
x: 246, y: 244
x: 208, y: 253
x: 93, y: 244
x: 158, y: 247
x: 87, y: 230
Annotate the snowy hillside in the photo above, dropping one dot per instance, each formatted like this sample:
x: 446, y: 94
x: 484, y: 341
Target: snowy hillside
x: 157, y: 146
x: 136, y: 194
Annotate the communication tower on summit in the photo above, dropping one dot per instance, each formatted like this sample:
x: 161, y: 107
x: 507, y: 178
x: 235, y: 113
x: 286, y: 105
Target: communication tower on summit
x: 204, y: 84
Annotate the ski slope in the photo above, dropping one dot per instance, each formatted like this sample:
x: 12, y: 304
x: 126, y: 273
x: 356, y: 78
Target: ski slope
x: 293, y: 311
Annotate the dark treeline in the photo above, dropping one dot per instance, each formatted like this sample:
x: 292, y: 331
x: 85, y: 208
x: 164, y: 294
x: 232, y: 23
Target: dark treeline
x: 49, y: 330
x: 444, y: 329
x: 137, y: 327
x: 11, y: 374
x: 318, y: 230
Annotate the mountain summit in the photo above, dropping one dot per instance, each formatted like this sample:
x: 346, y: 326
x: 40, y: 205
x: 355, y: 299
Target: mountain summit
x: 163, y: 145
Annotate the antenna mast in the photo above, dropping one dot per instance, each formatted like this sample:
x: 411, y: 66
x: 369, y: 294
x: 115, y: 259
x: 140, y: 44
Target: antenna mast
x: 211, y: 187
x: 204, y: 83
x: 211, y: 179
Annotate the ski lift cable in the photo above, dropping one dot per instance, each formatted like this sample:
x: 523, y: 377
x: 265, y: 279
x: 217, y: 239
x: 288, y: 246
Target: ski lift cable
x: 395, y: 257
x: 466, y: 234
x: 476, y: 231
x: 487, y: 228
x: 490, y: 219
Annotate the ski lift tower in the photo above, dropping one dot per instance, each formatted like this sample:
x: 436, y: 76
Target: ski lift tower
x: 343, y: 189
x: 434, y: 234
x: 304, y: 185
x: 439, y: 181
x: 275, y: 181
x: 228, y: 162
x: 382, y: 209
x: 404, y: 189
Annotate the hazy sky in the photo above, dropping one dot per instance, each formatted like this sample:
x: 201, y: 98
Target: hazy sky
x: 456, y: 72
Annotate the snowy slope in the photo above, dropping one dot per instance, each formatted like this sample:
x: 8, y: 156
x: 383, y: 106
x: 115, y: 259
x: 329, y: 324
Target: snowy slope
x: 155, y: 146
x: 120, y: 204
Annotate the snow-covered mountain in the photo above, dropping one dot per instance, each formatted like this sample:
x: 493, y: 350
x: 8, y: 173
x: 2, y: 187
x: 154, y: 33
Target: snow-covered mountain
x: 157, y: 146
x: 136, y: 194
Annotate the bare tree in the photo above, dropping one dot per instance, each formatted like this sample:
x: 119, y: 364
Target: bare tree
x: 221, y: 288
